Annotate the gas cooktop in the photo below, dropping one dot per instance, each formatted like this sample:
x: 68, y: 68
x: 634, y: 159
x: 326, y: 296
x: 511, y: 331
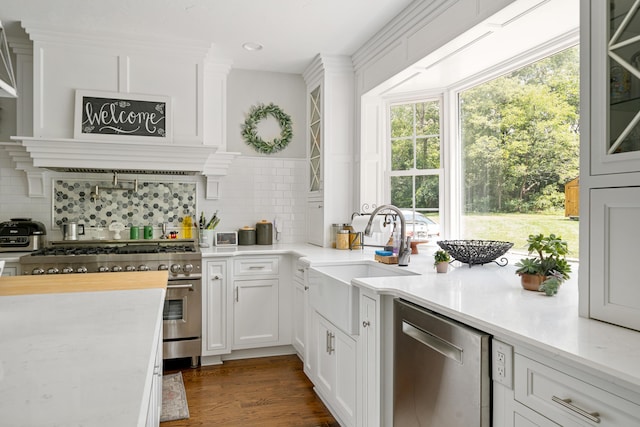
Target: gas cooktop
x: 181, y: 257
x: 113, y: 250
x: 117, y: 247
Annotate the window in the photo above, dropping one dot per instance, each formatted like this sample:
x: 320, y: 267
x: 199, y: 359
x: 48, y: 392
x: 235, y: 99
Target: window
x: 414, y: 178
x: 520, y: 147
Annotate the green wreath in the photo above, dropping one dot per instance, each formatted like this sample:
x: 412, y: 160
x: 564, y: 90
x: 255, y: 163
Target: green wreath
x: 250, y: 132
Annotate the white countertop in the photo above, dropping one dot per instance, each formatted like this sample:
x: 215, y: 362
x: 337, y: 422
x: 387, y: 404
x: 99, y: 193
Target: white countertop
x: 490, y: 298
x: 78, y: 359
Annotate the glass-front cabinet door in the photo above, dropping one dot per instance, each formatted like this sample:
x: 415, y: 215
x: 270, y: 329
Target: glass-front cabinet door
x: 315, y: 153
x: 615, y: 51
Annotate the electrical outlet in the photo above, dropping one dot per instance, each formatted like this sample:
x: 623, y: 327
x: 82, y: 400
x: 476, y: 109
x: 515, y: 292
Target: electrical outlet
x: 502, y: 363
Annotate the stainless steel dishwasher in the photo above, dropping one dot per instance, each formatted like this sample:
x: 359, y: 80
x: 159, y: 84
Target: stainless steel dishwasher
x: 441, y: 371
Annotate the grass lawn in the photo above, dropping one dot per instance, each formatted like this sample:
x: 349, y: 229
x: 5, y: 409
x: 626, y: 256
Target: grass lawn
x: 517, y: 227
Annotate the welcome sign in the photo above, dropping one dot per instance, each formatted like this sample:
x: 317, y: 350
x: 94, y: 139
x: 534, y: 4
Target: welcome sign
x: 106, y: 115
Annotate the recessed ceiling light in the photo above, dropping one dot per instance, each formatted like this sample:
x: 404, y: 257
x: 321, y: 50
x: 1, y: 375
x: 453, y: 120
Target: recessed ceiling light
x: 252, y: 47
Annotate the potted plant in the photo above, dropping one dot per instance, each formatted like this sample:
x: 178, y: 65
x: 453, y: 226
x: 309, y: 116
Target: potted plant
x: 549, y: 268
x: 441, y: 261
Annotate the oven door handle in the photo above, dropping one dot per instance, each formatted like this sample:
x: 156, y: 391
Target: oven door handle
x: 183, y: 286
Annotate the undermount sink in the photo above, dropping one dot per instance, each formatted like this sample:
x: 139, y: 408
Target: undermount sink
x: 332, y: 295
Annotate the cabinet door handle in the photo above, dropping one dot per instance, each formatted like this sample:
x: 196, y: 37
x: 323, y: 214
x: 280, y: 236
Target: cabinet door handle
x: 215, y: 278
x: 301, y: 270
x: 237, y: 294
x: 332, y: 338
x: 591, y: 416
x: 365, y: 323
x: 326, y: 341
x: 306, y: 288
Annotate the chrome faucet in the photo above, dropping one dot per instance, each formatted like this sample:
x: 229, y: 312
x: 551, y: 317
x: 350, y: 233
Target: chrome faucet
x: 404, y: 250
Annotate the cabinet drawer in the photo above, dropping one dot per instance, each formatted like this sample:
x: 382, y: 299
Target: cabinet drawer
x: 255, y: 266
x: 298, y: 272
x: 570, y: 401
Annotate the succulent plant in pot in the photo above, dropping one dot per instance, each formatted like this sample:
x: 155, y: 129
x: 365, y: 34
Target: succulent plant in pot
x: 441, y: 261
x: 549, y: 268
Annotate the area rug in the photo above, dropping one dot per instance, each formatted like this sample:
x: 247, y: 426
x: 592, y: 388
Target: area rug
x: 174, y: 398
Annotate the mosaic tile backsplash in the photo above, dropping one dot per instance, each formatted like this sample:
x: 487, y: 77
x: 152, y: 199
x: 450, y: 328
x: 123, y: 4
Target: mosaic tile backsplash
x: 153, y: 204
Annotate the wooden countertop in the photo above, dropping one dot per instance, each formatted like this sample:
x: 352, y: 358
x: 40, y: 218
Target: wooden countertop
x: 89, y: 282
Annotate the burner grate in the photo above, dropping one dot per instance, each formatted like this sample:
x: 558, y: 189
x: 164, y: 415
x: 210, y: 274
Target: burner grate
x: 118, y: 247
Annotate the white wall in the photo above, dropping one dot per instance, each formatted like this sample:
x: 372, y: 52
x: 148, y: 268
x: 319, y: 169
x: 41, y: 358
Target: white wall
x: 247, y: 88
x: 259, y: 188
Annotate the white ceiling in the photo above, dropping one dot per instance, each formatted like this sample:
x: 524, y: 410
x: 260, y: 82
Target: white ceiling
x: 291, y: 31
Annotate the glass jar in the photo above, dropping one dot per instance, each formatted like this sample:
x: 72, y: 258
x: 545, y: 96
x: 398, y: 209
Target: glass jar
x: 334, y: 231
x: 342, y: 239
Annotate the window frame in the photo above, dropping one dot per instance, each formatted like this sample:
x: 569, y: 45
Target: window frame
x: 413, y: 172
x: 451, y: 180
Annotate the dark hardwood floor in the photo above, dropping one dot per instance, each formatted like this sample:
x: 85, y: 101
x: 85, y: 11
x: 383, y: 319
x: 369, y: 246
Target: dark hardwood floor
x: 270, y: 391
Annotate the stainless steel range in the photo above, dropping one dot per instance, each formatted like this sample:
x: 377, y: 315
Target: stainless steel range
x: 183, y: 303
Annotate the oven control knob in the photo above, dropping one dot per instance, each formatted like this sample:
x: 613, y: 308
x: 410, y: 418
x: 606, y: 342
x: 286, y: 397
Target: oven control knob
x: 53, y: 270
x: 67, y: 270
x: 129, y: 268
x: 163, y: 267
x: 175, y: 268
x: 37, y: 271
x: 187, y: 268
x: 143, y: 267
x: 116, y: 268
x: 103, y: 269
x: 82, y: 269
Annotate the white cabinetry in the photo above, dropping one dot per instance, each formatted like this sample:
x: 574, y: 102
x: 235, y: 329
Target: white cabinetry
x: 11, y: 269
x: 255, y: 313
x: 247, y: 305
x: 300, y: 310
x: 215, y: 303
x: 614, y: 233
x: 330, y: 82
x: 334, y: 372
x: 549, y: 392
x: 610, y: 161
x: 567, y: 400
x: 369, y: 358
x: 315, y: 221
x: 258, y: 307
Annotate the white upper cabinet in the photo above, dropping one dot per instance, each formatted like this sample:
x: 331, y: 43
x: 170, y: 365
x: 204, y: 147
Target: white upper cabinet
x: 330, y: 115
x: 615, y: 87
x: 610, y: 160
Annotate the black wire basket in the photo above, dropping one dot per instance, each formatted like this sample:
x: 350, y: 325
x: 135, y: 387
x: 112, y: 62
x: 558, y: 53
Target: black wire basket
x: 474, y: 252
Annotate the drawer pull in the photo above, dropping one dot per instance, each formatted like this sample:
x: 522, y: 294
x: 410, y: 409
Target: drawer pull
x: 256, y: 267
x: 592, y: 416
x: 183, y: 286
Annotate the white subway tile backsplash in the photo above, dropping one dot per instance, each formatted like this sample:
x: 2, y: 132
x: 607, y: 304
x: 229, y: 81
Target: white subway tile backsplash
x: 263, y: 188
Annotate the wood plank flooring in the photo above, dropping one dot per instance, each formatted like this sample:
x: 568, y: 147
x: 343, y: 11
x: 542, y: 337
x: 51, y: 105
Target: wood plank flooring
x: 270, y: 391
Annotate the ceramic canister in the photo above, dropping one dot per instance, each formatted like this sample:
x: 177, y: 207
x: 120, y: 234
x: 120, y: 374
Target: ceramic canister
x: 264, y: 233
x: 247, y: 235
